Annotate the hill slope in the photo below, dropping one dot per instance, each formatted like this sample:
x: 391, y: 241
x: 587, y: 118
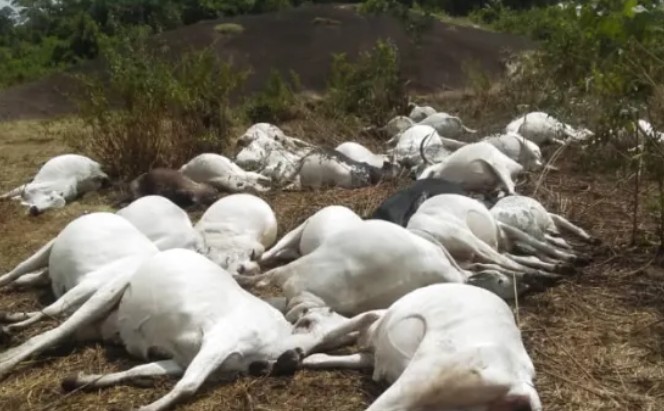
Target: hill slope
x: 302, y: 39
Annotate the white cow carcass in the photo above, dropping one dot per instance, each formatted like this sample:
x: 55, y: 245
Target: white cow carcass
x: 447, y: 125
x: 367, y: 266
x: 164, y: 223
x: 237, y: 230
x: 266, y: 151
x: 471, y: 235
x: 408, y: 147
x: 636, y: 135
x: 529, y: 216
x: 223, y: 174
x: 361, y: 154
x: 419, y: 113
x: 260, y: 131
x: 542, y: 128
x: 183, y: 307
x: 397, y: 125
x: 309, y: 235
x: 476, y: 167
x: 60, y: 180
x: 444, y: 347
x: 518, y: 148
x: 87, y: 254
x: 330, y: 168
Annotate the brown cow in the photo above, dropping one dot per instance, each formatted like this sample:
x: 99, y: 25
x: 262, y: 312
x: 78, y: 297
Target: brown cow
x: 173, y: 185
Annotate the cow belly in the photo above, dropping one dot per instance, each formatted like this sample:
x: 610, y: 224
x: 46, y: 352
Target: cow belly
x: 473, y: 176
x: 325, y: 173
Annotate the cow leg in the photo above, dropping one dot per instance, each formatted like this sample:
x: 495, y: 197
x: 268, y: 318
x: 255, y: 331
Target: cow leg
x: 478, y: 267
x: 531, y: 275
x: 93, y: 381
x: 466, y: 380
x: 35, y: 262
x: 486, y: 254
x: 519, y: 236
x: 501, y: 174
x: 94, y: 309
x: 341, y: 331
x: 534, y: 262
x: 216, y: 348
x: 558, y: 242
x: 357, y: 361
x: 14, y: 193
x: 34, y: 279
x: 288, y: 245
x: 563, y: 223
x: 72, y: 298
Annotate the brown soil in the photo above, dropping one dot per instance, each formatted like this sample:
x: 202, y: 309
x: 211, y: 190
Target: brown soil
x: 302, y: 40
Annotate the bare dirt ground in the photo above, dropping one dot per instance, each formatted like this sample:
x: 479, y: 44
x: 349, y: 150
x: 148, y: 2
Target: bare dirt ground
x: 301, y: 40
x: 597, y: 339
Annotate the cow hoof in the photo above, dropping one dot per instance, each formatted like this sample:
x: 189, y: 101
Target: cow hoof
x: 288, y: 362
x: 566, y: 268
x: 583, y: 260
x: 5, y: 337
x: 6, y: 332
x: 259, y: 368
x: 541, y: 279
x: 594, y: 241
x: 69, y: 383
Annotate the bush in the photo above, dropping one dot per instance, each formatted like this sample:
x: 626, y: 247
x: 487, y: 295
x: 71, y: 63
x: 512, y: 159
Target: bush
x: 601, y: 62
x: 229, y: 28
x: 276, y: 102
x: 166, y: 112
x: 372, y: 88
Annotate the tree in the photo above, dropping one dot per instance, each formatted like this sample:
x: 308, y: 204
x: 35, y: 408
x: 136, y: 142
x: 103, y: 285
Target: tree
x: 7, y: 21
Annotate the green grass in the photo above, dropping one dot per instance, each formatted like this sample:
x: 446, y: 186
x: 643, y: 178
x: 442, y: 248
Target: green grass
x: 229, y: 28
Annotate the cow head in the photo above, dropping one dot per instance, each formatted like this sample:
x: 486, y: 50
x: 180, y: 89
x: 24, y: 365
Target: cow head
x: 315, y: 318
x: 39, y: 201
x: 390, y: 170
x: 237, y: 255
x: 318, y: 320
x: 205, y: 194
x: 498, y: 283
x: 530, y: 155
x: 258, y: 182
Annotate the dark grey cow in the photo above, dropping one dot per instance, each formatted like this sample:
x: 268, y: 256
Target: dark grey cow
x: 399, y: 207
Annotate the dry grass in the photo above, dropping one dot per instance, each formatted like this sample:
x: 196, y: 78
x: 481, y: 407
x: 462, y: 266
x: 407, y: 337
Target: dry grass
x: 597, y: 340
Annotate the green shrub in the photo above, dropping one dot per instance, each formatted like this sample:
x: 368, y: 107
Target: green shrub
x: 276, y: 102
x: 229, y: 28
x: 601, y: 64
x: 153, y: 112
x: 372, y: 88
